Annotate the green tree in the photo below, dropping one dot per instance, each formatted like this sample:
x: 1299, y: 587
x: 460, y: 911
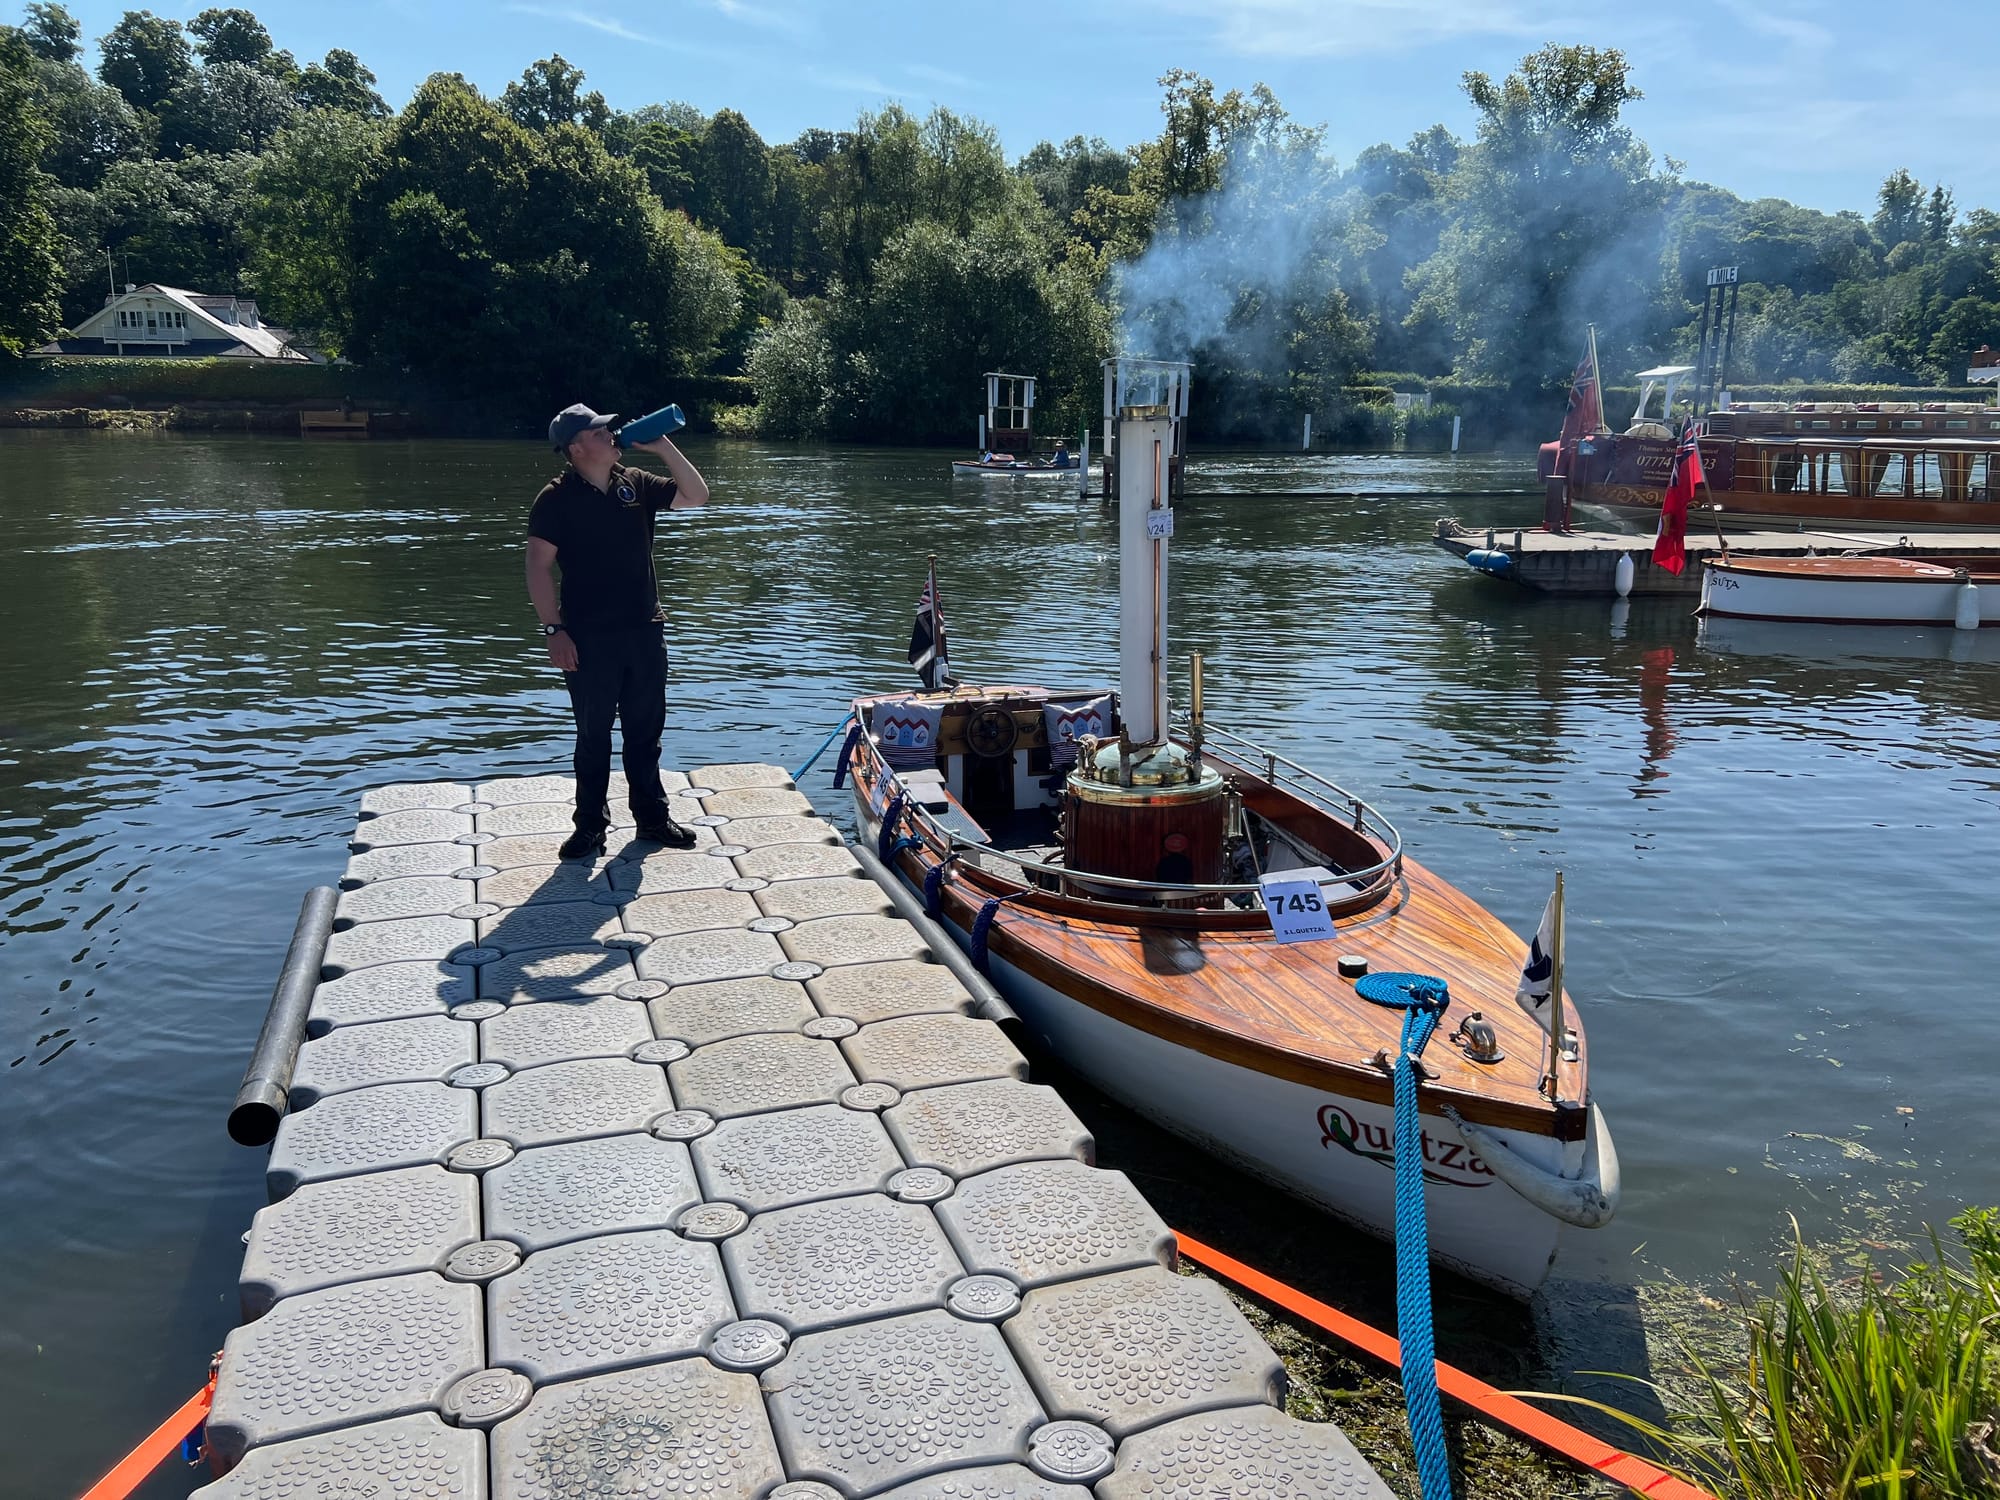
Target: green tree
x: 230, y: 36
x: 178, y: 222
x: 550, y: 93
x: 90, y: 126
x: 791, y: 365
x: 341, y: 83
x: 52, y: 33
x: 30, y: 246
x: 1526, y: 260
x: 226, y: 106
x: 1064, y: 175
x: 1899, y: 209
x: 732, y: 183
x: 300, y: 228
x: 145, y: 58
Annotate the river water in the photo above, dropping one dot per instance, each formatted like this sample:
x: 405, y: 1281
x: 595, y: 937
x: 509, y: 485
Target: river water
x: 210, y: 648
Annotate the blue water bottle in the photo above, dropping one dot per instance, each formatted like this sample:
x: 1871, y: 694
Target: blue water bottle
x: 662, y: 423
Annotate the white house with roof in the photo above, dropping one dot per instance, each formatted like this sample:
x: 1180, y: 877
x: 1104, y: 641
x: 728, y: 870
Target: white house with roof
x: 169, y: 321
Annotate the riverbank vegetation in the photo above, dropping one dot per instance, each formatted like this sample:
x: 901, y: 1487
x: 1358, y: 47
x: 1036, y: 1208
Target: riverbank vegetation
x: 514, y: 250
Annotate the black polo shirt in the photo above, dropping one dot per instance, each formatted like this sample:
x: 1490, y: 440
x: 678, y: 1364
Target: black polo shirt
x: 604, y: 544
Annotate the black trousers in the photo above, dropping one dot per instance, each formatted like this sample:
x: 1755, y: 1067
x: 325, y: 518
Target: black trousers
x: 621, y: 674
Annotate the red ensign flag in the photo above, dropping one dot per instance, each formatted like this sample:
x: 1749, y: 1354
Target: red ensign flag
x: 1670, y: 545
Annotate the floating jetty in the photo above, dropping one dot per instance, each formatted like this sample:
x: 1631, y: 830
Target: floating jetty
x: 1586, y: 562
x: 697, y: 1173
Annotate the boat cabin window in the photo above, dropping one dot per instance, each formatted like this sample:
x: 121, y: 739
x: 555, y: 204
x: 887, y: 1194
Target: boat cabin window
x: 1911, y: 425
x: 1956, y: 424
x: 1865, y: 424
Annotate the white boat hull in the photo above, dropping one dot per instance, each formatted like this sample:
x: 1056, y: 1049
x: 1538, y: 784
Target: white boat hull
x: 1008, y: 471
x: 1745, y: 594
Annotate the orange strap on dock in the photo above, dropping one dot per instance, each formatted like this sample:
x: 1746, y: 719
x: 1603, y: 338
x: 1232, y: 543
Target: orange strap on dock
x: 1573, y: 1443
x: 135, y: 1466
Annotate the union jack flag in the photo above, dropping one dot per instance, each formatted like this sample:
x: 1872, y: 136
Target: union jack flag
x: 927, y: 644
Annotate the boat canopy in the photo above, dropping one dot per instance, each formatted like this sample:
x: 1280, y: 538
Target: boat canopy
x: 1673, y: 377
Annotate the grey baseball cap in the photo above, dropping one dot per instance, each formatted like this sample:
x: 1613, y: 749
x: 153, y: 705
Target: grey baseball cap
x: 574, y: 419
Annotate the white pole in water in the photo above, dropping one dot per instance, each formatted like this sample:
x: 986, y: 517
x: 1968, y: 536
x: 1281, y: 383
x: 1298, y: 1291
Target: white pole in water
x: 1454, y: 434
x: 1083, y: 462
x: 1145, y: 446
x: 1307, y: 441
x: 982, y: 437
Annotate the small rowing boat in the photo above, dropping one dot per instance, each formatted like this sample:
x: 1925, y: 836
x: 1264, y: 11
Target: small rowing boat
x: 1015, y: 469
x: 1205, y: 929
x: 1853, y: 590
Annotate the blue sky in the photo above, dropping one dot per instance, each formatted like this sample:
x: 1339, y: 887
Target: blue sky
x: 1815, y: 102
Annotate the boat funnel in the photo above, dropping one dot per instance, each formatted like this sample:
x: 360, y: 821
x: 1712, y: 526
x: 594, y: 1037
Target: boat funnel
x: 1145, y: 404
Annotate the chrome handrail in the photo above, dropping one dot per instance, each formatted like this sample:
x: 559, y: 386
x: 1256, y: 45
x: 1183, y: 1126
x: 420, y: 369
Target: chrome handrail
x: 1309, y: 785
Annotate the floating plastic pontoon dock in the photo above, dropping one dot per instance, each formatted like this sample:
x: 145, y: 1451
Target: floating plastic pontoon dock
x: 692, y: 1173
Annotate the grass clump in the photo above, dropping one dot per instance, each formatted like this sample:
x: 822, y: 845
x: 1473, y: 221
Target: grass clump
x: 1884, y: 1389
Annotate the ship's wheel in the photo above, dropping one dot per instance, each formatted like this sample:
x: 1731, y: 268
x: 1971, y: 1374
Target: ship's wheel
x: 991, y: 732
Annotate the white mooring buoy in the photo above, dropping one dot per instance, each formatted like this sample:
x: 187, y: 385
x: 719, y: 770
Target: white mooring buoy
x: 1965, y: 614
x: 1621, y: 577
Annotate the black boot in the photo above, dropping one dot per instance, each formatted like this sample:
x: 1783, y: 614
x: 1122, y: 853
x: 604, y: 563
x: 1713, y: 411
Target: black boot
x: 667, y: 832
x: 582, y: 845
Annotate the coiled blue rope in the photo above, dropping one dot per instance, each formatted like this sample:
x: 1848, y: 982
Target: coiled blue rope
x: 814, y: 757
x: 1423, y: 1000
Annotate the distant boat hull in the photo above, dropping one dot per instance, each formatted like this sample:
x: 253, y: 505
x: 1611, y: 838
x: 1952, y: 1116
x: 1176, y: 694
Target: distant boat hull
x: 1845, y: 590
x: 1014, y: 471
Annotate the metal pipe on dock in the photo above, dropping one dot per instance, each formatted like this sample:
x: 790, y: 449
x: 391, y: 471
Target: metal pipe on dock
x: 262, y: 1098
x: 987, y: 1002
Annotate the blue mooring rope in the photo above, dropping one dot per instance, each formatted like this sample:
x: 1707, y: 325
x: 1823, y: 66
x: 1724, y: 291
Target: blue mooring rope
x: 982, y: 925
x: 1423, y: 1000
x: 812, y: 759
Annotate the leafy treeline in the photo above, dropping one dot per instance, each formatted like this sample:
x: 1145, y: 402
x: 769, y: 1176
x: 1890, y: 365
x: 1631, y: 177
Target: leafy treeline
x: 540, y: 244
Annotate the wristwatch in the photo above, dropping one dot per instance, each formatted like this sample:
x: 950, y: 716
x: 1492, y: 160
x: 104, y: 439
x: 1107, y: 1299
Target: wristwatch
x: 553, y: 630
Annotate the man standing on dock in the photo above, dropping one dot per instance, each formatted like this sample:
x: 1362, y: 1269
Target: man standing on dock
x: 606, y: 630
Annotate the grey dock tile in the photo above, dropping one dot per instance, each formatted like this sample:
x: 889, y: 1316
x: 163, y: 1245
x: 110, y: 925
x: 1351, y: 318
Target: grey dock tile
x: 840, y: 1261
x: 555, y: 973
x: 408, y: 1458
x: 345, y: 1355
x: 1141, y: 1347
x: 757, y: 833
x: 548, y: 1031
x: 510, y: 818
x: 405, y: 896
x: 829, y: 941
x: 512, y: 851
x: 831, y: 896
x: 503, y: 791
x: 1002, y: 1482
x: 723, y: 953
x: 795, y: 1155
x: 527, y: 885
x: 552, y: 1194
x: 388, y: 992
x: 702, y: 1013
x: 881, y: 992
x: 397, y: 940
x: 749, y: 1074
x: 371, y: 1130
x: 422, y: 1049
x: 670, y: 913
x: 549, y: 924
x: 915, y: 1052
x: 888, y: 1402
x: 403, y: 795
x: 401, y: 861
x: 417, y: 825
x: 756, y: 802
x: 650, y: 871
x: 598, y: 1305
x: 968, y: 1128
x: 1053, y: 1220
x: 357, y: 1229
x: 1249, y: 1453
x: 726, y: 778
x: 572, y: 1100
x: 663, y: 1431
x: 798, y: 862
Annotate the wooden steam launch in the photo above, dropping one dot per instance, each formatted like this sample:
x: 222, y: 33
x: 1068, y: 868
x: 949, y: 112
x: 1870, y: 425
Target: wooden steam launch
x: 1117, y: 902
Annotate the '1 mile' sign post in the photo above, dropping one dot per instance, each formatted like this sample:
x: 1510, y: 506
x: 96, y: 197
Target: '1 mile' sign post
x: 1296, y: 906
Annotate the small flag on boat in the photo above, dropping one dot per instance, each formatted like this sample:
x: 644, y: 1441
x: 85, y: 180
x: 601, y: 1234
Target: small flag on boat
x: 1586, y: 404
x: 1670, y: 544
x: 927, y: 643
x: 1538, y: 974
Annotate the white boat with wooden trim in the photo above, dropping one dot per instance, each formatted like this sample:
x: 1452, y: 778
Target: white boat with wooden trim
x: 1017, y: 469
x: 1853, y: 590
x: 1118, y: 903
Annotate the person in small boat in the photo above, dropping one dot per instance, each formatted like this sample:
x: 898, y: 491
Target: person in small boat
x: 1060, y: 459
x: 606, y: 631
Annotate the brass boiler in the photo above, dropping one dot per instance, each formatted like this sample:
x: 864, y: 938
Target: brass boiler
x: 1151, y: 812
